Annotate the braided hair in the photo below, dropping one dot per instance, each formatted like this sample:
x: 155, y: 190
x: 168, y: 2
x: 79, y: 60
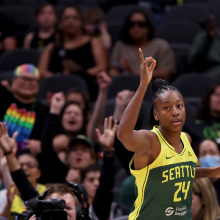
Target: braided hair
x: 159, y: 86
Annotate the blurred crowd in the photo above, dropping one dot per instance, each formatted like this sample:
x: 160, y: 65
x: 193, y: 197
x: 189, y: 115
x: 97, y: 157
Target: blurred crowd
x: 68, y: 69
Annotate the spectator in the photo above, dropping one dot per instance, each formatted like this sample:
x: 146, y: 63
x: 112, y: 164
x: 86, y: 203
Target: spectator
x: 207, y: 122
x: 209, y: 156
x: 96, y: 27
x: 19, y: 100
x: 137, y: 32
x: 45, y: 33
x: 81, y: 154
x: 204, y: 55
x: 28, y: 163
x: 104, y: 192
x: 90, y: 179
x: 74, y: 52
x: 204, y: 201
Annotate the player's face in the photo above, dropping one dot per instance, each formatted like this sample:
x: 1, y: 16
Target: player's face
x: 70, y: 204
x: 170, y: 110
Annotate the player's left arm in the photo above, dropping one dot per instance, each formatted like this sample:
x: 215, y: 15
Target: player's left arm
x: 207, y: 172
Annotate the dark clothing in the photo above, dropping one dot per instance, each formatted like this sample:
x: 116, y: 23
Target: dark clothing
x: 76, y: 61
x: 39, y: 43
x: 203, y: 129
x: 52, y: 169
x: 25, y: 188
x: 104, y: 195
x: 27, y: 119
x: 82, y: 56
x: 204, y: 54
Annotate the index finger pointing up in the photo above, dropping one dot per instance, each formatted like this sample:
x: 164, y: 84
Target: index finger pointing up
x: 141, y: 55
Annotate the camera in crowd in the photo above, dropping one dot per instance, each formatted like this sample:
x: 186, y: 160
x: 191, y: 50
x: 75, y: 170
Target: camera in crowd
x: 52, y: 209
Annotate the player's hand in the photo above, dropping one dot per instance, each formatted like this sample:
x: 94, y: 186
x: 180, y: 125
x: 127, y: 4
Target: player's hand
x: 146, y: 72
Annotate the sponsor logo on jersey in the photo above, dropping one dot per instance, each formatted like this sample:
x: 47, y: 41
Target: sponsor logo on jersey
x: 176, y: 211
x: 169, y: 211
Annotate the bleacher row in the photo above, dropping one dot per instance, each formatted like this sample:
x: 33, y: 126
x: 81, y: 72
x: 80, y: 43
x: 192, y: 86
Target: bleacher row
x: 179, y: 27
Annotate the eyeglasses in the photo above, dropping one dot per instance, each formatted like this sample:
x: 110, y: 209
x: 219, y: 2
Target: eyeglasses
x: 140, y: 24
x: 29, y: 165
x: 27, y: 79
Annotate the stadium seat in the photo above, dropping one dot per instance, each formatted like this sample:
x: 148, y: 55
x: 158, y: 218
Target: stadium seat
x: 9, y: 60
x: 120, y: 12
x: 181, y: 52
x: 197, y: 13
x: 22, y: 15
x: 178, y: 31
x: 59, y: 83
x: 194, y: 85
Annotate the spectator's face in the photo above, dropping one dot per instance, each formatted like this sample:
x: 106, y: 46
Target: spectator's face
x: 197, y: 205
x: 208, y: 147
x: 80, y: 156
x: 71, y: 22
x: 139, y: 28
x: 72, y: 119
x: 215, y: 102
x: 46, y: 17
x: 30, y: 167
x: 76, y: 97
x: 70, y: 204
x: 91, y: 182
x: 25, y: 85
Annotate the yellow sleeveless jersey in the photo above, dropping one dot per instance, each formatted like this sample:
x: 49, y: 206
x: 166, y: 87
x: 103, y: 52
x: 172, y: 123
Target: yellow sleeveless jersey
x: 164, y: 188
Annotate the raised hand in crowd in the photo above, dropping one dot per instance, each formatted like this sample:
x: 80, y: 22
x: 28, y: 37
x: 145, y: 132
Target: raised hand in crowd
x: 7, y: 144
x: 107, y: 138
x: 57, y: 103
x: 122, y: 99
x: 104, y: 82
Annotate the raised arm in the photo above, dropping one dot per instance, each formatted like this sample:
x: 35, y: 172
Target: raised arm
x: 136, y: 140
x: 104, y: 191
x: 99, y: 109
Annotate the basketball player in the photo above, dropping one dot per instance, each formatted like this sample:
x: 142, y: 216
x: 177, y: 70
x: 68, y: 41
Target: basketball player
x: 164, y: 164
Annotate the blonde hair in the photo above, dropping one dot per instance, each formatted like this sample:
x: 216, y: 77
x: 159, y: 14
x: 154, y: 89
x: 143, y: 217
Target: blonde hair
x: 204, y: 188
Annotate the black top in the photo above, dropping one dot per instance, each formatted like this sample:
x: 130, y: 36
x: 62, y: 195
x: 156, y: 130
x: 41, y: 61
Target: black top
x: 81, y: 56
x: 30, y: 129
x: 39, y: 43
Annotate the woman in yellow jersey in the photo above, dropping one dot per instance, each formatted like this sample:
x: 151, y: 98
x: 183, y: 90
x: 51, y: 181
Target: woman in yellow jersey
x: 164, y: 164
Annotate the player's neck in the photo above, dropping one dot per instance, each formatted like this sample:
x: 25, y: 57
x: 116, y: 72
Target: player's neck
x: 173, y: 139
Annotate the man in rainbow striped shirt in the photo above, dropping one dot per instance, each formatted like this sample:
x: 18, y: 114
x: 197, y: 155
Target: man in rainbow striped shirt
x: 20, y: 109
